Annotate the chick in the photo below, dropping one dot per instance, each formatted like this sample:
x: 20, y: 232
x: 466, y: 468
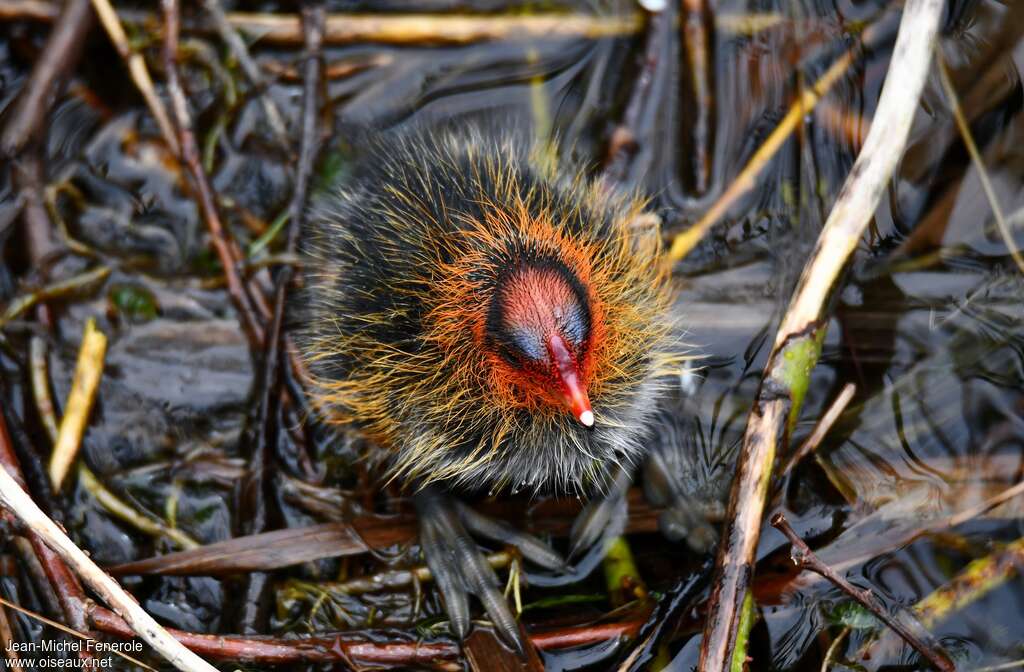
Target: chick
x: 492, y: 321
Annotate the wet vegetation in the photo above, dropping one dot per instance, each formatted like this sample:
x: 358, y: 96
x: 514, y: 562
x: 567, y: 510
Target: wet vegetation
x: 156, y: 161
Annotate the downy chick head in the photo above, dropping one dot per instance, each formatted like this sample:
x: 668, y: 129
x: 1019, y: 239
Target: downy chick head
x: 486, y: 317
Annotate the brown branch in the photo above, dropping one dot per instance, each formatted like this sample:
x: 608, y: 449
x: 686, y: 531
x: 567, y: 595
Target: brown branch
x: 805, y: 558
x: 371, y: 648
x: 227, y: 251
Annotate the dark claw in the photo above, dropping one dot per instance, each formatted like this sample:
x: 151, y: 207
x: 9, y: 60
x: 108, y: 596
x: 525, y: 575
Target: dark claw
x: 460, y: 569
x: 440, y: 559
x: 532, y: 548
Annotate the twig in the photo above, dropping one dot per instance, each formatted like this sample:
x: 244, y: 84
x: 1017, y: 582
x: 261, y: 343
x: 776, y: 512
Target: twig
x: 95, y: 645
x: 118, y: 507
x: 255, y: 485
x: 804, y: 558
x: 252, y: 71
x: 391, y: 580
x: 22, y: 506
x: 976, y: 580
x: 39, y: 368
x: 747, y: 177
x: 55, y: 290
x: 226, y: 249
x: 400, y: 29
x: 797, y: 344
x: 62, y: 49
x: 822, y: 428
x: 979, y: 164
x: 11, y: 658
x: 369, y: 648
x: 137, y: 68
x: 86, y: 381
x: 449, y: 29
x: 833, y: 648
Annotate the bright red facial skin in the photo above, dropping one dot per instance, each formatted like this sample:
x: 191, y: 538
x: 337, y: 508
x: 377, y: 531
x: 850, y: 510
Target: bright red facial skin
x: 542, y: 315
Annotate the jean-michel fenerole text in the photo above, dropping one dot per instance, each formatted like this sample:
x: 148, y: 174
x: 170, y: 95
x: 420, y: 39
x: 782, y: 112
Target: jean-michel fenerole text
x: 91, y: 647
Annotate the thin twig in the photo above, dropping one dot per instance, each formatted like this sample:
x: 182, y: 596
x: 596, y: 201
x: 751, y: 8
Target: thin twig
x: 804, y: 558
x: 822, y: 428
x: 391, y: 580
x: 797, y: 344
x: 39, y: 368
x: 369, y: 648
x: 979, y: 163
x: 22, y: 506
x: 447, y: 29
x: 56, y: 290
x: 227, y: 252
x: 11, y: 658
x: 119, y: 508
x: 833, y: 648
x: 623, y: 144
x: 138, y: 71
x: 696, y: 31
x: 88, y: 371
x: 252, y: 71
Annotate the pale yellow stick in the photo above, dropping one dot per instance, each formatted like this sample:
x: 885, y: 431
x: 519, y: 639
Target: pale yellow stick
x: 83, y: 392
x: 137, y: 68
x: 118, y: 507
x: 747, y: 178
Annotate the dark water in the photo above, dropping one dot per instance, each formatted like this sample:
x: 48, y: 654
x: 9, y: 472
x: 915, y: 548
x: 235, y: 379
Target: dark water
x: 927, y: 324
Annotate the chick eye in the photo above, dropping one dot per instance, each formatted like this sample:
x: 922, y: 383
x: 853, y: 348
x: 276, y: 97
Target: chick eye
x: 573, y: 325
x: 530, y: 344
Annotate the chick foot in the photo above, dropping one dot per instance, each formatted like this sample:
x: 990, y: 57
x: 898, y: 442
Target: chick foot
x: 461, y: 570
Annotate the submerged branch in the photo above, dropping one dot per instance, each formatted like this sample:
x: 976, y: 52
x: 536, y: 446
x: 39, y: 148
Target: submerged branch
x: 805, y: 558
